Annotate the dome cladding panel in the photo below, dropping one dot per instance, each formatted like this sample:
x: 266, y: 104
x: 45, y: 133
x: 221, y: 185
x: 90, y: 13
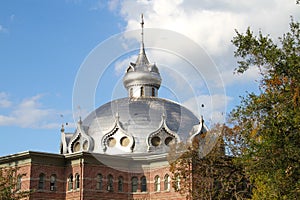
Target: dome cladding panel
x: 139, y: 117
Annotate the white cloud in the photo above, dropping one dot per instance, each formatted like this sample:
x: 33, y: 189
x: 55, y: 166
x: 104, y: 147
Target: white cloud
x: 29, y: 113
x: 113, y: 4
x: 252, y: 74
x: 212, y: 107
x: 210, y: 23
x: 210, y: 28
x: 4, y: 101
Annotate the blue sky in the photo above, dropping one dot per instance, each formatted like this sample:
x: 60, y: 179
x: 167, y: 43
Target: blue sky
x: 44, y: 44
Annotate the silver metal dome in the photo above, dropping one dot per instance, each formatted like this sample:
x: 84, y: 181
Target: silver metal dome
x: 139, y: 124
x: 147, y: 125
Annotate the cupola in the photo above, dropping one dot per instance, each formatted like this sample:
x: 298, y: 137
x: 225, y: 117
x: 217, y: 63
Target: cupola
x: 142, y: 79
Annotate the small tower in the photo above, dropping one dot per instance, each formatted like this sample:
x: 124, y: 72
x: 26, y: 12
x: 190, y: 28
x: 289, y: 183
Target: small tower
x: 63, y: 145
x: 142, y: 79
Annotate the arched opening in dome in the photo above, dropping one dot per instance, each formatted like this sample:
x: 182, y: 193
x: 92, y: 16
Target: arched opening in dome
x: 76, y: 146
x: 131, y: 92
x: 155, y: 141
x: 153, y: 92
x: 111, y: 142
x: 142, y: 91
x: 168, y: 141
x: 85, y: 145
x: 124, y: 141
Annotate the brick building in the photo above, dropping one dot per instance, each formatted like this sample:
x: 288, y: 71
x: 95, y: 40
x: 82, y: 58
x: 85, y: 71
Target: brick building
x: 119, y: 151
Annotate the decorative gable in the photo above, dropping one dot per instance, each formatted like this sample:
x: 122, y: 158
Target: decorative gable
x: 80, y: 140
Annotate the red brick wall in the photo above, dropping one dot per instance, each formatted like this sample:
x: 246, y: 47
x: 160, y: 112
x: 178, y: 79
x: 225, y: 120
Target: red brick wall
x: 88, y: 191
x: 46, y: 193
x: 25, y: 169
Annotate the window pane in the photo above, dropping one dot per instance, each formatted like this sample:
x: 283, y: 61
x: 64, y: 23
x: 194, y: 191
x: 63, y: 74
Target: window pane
x: 167, y: 182
x: 143, y: 184
x: 134, y: 184
x: 70, y: 182
x: 19, y: 182
x: 53, y: 182
x: 110, y: 186
x: 157, y: 183
x: 99, y: 182
x: 77, y: 181
x: 41, y: 181
x: 120, y: 184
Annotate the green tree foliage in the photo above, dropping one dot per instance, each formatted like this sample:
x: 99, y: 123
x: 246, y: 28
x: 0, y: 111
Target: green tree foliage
x: 10, y: 184
x: 269, y: 122
x: 211, y: 176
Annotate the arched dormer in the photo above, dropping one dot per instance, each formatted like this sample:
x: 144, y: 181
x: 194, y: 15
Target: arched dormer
x: 117, y: 140
x: 162, y: 138
x: 80, y: 140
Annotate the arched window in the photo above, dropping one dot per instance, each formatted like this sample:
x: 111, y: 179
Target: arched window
x: 131, y: 92
x: 77, y: 181
x: 70, y: 182
x: 142, y: 92
x: 110, y: 182
x: 177, y: 182
x: 99, y: 182
x: 167, y: 182
x: 19, y: 182
x: 143, y: 184
x: 41, y: 181
x: 120, y: 184
x: 76, y: 146
x: 134, y: 184
x: 156, y: 184
x: 53, y: 182
x: 153, y: 92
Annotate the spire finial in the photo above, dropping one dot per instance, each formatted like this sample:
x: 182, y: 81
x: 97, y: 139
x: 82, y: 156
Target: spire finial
x: 80, y: 121
x: 142, y: 55
x: 62, y: 128
x: 142, y: 25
